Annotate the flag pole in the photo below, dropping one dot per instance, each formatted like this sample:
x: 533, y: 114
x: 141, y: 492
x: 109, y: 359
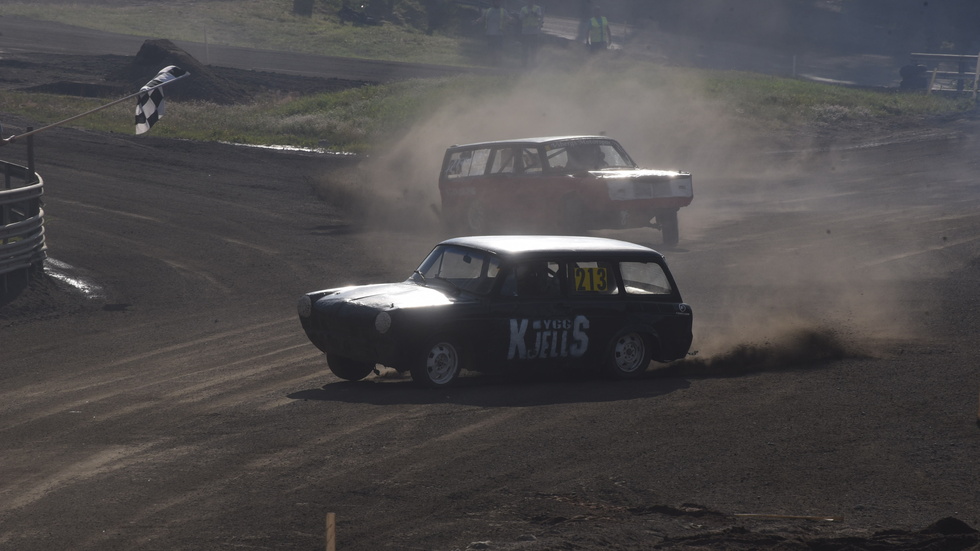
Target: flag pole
x: 5, y: 141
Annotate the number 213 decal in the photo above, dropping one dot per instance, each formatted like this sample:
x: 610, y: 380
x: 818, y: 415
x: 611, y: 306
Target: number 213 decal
x: 591, y: 279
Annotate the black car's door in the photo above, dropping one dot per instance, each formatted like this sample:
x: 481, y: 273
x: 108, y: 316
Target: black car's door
x: 596, y: 298
x: 534, y: 320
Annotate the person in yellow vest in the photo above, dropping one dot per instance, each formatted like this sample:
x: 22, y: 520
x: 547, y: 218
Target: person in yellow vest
x: 495, y: 20
x: 599, y: 37
x: 532, y: 19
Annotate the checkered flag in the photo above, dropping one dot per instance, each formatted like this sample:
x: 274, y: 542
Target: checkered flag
x: 149, y: 103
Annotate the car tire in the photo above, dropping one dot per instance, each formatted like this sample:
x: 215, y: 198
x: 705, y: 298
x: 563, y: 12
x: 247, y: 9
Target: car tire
x: 669, y: 228
x: 629, y: 355
x: 348, y: 369
x: 438, y: 365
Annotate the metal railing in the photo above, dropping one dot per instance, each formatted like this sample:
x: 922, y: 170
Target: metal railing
x: 22, y: 247
x: 949, y: 71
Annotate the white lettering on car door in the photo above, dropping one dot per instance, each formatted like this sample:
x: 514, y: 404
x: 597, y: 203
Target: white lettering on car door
x: 517, y: 347
x: 549, y: 338
x: 580, y: 339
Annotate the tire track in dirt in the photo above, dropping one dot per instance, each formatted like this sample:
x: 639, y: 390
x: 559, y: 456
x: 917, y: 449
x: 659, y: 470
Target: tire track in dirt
x: 147, y: 371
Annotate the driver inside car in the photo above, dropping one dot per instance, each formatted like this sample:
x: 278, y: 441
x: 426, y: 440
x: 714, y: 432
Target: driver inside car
x: 536, y: 280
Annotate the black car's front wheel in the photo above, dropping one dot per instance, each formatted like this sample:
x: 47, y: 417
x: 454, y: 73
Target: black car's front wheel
x: 439, y: 365
x: 348, y: 369
x: 629, y: 355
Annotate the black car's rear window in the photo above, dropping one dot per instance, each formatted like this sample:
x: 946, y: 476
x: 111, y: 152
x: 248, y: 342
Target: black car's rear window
x: 645, y: 278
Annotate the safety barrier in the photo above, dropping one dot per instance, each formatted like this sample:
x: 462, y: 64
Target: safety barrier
x: 22, y: 247
x: 948, y: 71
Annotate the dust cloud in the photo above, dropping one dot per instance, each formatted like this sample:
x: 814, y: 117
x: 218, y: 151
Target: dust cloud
x: 813, y: 261
x: 786, y: 267
x: 664, y: 126
x: 790, y: 347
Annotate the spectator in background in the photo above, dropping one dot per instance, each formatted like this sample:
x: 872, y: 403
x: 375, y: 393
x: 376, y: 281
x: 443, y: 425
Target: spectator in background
x: 495, y: 20
x: 599, y: 37
x: 532, y: 19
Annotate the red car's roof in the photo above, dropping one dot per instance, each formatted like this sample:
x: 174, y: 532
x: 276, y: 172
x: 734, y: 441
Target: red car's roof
x: 539, y: 140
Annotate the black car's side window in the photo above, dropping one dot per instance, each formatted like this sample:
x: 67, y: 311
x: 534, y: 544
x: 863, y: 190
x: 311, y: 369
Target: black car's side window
x: 533, y: 279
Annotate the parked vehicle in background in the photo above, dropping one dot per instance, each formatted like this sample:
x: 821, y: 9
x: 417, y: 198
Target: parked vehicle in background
x: 507, y: 303
x: 567, y: 184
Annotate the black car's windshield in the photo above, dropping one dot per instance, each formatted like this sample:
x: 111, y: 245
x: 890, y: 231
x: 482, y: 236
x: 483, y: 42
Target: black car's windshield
x: 459, y: 269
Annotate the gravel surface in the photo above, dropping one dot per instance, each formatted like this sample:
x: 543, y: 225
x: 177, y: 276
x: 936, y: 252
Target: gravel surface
x: 177, y: 405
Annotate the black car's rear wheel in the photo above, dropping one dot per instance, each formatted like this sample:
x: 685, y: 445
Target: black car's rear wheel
x: 348, y: 369
x: 628, y: 356
x: 439, y: 364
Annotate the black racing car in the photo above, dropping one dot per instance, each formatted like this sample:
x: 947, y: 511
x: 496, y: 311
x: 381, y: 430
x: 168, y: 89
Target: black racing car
x: 499, y: 302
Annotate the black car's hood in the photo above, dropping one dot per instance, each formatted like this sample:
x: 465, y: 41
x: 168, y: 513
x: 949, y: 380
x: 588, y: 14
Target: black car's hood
x: 386, y: 296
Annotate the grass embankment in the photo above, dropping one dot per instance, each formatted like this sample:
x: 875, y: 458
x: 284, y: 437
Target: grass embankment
x: 784, y: 102
x: 352, y: 120
x: 347, y: 120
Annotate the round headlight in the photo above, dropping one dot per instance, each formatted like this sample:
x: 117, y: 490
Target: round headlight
x: 304, y: 306
x: 382, y: 323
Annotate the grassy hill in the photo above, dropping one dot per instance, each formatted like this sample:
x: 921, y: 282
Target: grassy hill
x: 568, y: 94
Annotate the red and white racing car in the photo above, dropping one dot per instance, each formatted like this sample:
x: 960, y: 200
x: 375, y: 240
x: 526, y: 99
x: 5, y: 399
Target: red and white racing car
x: 567, y: 184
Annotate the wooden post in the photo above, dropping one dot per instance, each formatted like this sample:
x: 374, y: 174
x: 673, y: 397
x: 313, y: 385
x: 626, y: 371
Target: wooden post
x: 976, y: 77
x: 331, y: 532
x: 932, y: 81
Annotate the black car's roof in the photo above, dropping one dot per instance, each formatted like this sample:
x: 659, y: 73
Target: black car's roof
x: 507, y: 245
x: 540, y: 140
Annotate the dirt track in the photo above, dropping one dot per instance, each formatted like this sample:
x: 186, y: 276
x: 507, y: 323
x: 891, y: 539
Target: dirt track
x: 182, y: 407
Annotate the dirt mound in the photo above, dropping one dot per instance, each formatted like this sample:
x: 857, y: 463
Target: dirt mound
x: 37, y: 298
x: 203, y: 83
